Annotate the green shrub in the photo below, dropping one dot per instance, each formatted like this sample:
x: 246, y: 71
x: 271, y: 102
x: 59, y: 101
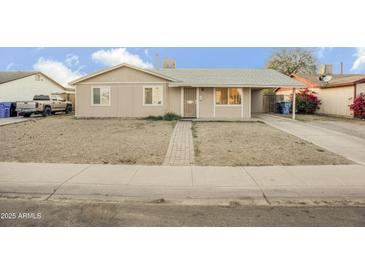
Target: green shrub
x: 154, y: 118
x: 170, y: 116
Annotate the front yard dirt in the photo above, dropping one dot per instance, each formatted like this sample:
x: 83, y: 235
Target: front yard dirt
x: 68, y: 140
x: 255, y: 144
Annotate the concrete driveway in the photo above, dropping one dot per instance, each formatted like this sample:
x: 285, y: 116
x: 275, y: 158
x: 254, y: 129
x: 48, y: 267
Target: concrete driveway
x: 346, y: 139
x: 346, y: 127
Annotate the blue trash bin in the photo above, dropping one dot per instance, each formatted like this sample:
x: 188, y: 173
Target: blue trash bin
x: 285, y: 107
x: 5, y: 110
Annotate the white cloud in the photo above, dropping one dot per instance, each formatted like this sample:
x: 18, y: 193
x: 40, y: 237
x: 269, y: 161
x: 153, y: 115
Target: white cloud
x: 56, y: 70
x: 13, y: 66
x: 322, y: 51
x: 72, y: 60
x: 117, y: 56
x: 360, y: 59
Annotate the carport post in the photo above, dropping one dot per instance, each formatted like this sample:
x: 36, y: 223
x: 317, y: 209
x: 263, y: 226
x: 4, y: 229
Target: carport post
x: 293, y: 107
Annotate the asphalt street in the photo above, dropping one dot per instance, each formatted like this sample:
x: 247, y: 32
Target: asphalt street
x: 30, y: 212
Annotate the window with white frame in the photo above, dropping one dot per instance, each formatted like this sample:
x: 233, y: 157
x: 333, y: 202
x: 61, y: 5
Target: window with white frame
x: 100, y: 96
x: 153, y: 96
x: 228, y: 96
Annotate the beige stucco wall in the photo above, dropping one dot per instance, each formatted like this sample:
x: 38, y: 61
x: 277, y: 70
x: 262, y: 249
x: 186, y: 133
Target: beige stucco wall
x: 360, y: 88
x: 126, y: 95
x: 25, y: 88
x: 336, y: 101
x: 174, y: 100
x: 126, y: 101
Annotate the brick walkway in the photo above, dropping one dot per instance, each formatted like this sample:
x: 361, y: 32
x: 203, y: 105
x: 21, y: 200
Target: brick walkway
x: 181, y: 148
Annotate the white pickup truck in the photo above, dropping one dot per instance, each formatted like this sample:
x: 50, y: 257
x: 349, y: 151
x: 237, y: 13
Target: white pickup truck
x: 43, y: 104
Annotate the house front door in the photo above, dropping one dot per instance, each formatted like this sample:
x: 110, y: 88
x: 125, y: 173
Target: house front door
x: 190, y: 102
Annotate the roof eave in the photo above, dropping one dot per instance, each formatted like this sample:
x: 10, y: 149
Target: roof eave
x: 182, y: 84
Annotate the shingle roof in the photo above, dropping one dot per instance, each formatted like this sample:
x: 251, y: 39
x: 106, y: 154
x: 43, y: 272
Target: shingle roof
x: 213, y: 77
x: 337, y: 79
x: 7, y: 76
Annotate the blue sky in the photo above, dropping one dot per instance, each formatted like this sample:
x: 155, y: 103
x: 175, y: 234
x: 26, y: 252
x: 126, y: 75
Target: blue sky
x: 65, y: 64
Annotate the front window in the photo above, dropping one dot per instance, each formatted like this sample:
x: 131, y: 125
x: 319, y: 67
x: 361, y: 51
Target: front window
x: 153, y: 96
x: 101, y: 96
x: 227, y: 96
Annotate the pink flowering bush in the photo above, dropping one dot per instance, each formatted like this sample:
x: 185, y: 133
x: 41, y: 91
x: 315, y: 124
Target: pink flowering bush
x: 358, y: 106
x: 307, y: 101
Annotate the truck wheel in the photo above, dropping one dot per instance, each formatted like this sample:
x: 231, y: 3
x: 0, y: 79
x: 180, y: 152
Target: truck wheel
x: 68, y: 109
x: 27, y: 115
x: 47, y: 111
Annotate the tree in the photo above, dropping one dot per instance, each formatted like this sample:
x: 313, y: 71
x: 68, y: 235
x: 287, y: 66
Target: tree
x: 289, y: 61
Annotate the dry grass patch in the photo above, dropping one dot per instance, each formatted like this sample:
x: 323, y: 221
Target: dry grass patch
x: 68, y: 140
x: 255, y: 144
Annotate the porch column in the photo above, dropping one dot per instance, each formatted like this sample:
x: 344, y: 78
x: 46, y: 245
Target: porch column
x: 249, y: 103
x: 294, y: 103
x: 197, y: 103
x: 182, y: 102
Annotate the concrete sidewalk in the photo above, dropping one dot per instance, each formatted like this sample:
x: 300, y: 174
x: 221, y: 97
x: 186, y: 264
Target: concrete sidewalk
x: 12, y: 120
x: 346, y: 145
x: 263, y: 185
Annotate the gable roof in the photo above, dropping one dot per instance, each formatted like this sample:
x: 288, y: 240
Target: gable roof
x: 338, y: 80
x: 8, y: 76
x: 211, y: 77
x: 99, y: 72
x: 243, y: 77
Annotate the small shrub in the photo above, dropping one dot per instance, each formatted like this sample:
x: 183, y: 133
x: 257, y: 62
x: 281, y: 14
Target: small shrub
x: 170, y: 116
x: 154, y: 118
x: 358, y: 106
x: 307, y: 101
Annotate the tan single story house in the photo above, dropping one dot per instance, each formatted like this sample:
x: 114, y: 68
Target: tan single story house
x: 129, y: 91
x: 336, y: 95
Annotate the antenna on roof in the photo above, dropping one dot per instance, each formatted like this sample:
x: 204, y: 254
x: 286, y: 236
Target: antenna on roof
x: 325, y: 72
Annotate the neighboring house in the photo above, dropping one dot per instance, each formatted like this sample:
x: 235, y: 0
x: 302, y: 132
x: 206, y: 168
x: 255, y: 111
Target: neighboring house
x: 129, y: 91
x: 336, y: 95
x: 23, y: 85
